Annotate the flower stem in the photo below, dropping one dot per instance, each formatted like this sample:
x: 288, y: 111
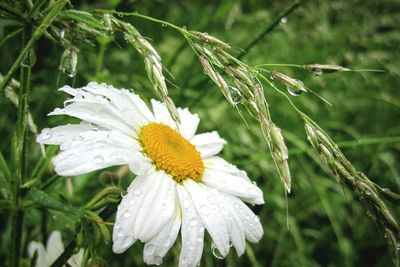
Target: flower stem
x: 18, y: 153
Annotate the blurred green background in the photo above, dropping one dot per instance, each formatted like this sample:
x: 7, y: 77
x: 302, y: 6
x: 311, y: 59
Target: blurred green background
x: 327, y: 225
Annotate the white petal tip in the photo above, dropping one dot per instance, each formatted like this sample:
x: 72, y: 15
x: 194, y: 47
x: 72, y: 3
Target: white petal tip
x: 122, y: 244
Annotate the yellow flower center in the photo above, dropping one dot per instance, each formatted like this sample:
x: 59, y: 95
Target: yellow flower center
x: 171, y: 152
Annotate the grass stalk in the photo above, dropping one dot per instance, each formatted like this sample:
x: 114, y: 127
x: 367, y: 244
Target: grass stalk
x: 56, y: 9
x: 270, y: 28
x: 18, y: 154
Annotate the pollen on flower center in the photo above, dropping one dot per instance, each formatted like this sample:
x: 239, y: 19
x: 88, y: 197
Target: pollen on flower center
x: 171, y: 152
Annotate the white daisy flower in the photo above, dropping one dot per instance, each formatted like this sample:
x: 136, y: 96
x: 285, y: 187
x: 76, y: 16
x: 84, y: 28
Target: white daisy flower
x: 180, y: 182
x: 46, y: 256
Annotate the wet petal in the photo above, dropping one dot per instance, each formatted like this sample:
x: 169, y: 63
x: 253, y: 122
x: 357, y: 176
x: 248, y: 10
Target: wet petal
x: 192, y: 231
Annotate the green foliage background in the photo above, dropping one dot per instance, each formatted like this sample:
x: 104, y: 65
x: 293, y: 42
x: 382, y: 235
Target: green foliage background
x: 327, y: 225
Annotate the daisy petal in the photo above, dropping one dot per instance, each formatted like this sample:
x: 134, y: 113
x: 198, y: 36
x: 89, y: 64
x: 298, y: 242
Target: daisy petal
x: 192, y: 231
x: 96, y: 113
x: 157, y: 208
x: 38, y: 248
x: 208, y: 144
x: 96, y: 150
x: 155, y: 249
x: 60, y: 134
x: 253, y: 227
x: 161, y: 113
x: 76, y: 259
x: 233, y: 185
x: 219, y: 164
x: 126, y: 102
x: 54, y: 246
x: 189, y: 123
x: 210, y: 215
x: 233, y: 221
x: 123, y: 234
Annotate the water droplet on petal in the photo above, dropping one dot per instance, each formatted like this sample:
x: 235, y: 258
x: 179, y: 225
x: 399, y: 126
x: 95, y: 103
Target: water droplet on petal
x: 205, y: 209
x: 193, y: 221
x: 128, y: 241
x: 116, y: 155
x: 167, y: 242
x: 46, y: 133
x: 127, y: 214
x: 150, y: 250
x: 77, y: 138
x: 157, y: 260
x: 98, y: 159
x: 216, y: 252
x: 137, y: 192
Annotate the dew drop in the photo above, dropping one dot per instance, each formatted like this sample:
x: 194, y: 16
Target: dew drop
x: 128, y: 241
x: 250, y: 191
x: 284, y: 20
x: 193, y: 221
x: 163, y: 25
x: 116, y: 155
x: 132, y: 202
x: 157, y: 260
x: 186, y: 204
x: 150, y: 250
x: 120, y: 233
x: 98, y: 159
x: 167, y: 242
x: 127, y: 214
x: 62, y: 33
x: 317, y: 72
x: 293, y: 92
x: 137, y: 192
x: 235, y: 94
x: 216, y: 252
x: 205, y: 209
x: 77, y: 138
x: 46, y: 133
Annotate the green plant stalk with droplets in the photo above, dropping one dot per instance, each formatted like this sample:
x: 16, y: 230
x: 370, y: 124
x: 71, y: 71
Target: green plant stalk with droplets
x: 241, y: 84
x: 218, y: 63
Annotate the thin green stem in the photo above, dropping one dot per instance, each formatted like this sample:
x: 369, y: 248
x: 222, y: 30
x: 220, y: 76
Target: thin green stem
x: 100, y: 58
x: 11, y: 10
x: 280, y: 65
x: 85, y: 258
x: 269, y: 29
x: 69, y: 250
x: 251, y: 256
x: 56, y: 9
x: 18, y: 154
x: 138, y: 15
x: 11, y: 35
